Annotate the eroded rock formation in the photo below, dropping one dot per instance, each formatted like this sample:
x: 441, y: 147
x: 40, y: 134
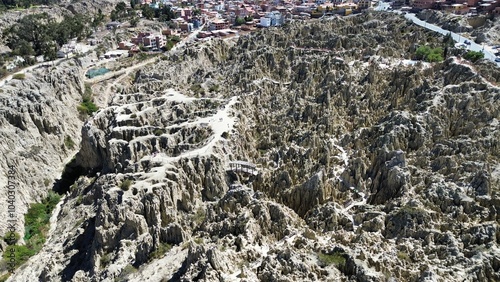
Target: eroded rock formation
x: 371, y: 168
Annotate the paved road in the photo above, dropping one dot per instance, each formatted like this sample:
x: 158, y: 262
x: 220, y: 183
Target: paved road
x: 458, y: 38
x: 6, y: 79
x: 56, y: 62
x: 382, y: 6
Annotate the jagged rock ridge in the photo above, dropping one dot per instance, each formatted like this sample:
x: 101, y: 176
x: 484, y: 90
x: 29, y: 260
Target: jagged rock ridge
x: 371, y: 169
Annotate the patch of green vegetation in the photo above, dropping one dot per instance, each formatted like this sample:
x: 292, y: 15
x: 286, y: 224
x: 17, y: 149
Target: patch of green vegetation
x: 19, y: 76
x: 199, y: 240
x: 133, y: 115
x: 214, y: 88
x: 429, y: 54
x: 158, y: 132
x: 162, y: 250
x: 105, y: 260
x: 126, y: 184
x: 127, y: 270
x: 11, y: 238
x: 37, y: 218
x: 87, y: 107
x: 40, y: 34
x: 78, y: 222
x: 87, y: 92
x: 185, y: 245
x: 36, y: 227
x: 69, y: 143
x: 169, y: 45
x: 414, y: 211
x: 402, y: 256
x: 239, y: 21
x: 79, y: 200
x: 197, y: 88
x: 4, y: 278
x: 47, y: 182
x: 175, y: 38
x: 337, y: 258
x: 199, y: 216
x: 474, y: 56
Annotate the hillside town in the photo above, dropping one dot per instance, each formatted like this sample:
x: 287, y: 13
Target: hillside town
x: 226, y: 18
x: 216, y: 18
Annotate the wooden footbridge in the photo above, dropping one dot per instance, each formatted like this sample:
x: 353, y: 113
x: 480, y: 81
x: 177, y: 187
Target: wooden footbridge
x: 243, y: 167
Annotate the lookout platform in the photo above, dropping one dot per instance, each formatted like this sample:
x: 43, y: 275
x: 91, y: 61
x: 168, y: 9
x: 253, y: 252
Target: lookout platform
x: 242, y: 166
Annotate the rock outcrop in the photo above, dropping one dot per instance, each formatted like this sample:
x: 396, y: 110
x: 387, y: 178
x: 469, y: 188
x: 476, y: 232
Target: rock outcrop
x: 369, y: 168
x: 40, y: 131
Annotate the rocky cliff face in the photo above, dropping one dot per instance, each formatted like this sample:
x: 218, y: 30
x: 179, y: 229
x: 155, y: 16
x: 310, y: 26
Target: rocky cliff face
x: 40, y: 130
x: 370, y: 168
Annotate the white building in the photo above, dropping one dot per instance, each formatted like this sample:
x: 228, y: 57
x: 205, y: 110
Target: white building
x: 265, y: 22
x: 273, y: 18
x: 69, y: 49
x: 219, y: 7
x: 16, y: 62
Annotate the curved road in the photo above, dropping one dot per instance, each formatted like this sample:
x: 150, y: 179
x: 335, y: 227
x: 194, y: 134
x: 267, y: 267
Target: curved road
x: 458, y: 38
x: 383, y: 6
x: 6, y: 79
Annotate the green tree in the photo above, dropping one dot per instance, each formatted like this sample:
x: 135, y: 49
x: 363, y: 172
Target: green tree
x: 25, y: 48
x: 37, y: 29
x: 147, y: 12
x: 239, y: 21
x: 49, y: 51
x: 448, y: 40
x: 474, y: 56
x: 98, y: 19
x: 165, y: 13
x: 70, y: 27
x: 134, y: 3
x: 422, y: 52
x: 9, y: 3
x: 121, y: 7
x: 428, y: 54
x: 134, y: 21
x: 119, y: 12
x: 434, y: 57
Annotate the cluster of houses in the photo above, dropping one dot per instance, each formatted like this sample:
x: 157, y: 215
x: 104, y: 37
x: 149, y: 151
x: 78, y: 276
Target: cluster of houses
x: 145, y: 40
x: 223, y: 18
x: 72, y: 48
x: 459, y: 7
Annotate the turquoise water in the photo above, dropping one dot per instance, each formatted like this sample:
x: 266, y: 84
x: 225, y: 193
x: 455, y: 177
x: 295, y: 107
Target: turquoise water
x: 91, y: 73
